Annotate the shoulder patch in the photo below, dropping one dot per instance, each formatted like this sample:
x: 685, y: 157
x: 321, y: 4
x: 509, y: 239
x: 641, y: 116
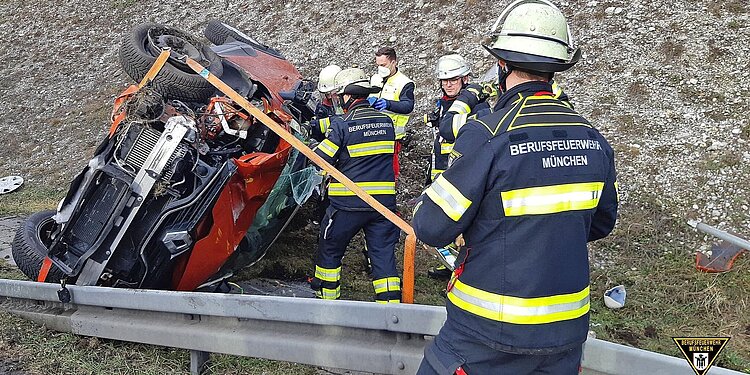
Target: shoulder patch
x: 453, y: 156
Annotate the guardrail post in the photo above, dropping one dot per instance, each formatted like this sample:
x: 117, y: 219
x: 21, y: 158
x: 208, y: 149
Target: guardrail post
x: 198, y: 360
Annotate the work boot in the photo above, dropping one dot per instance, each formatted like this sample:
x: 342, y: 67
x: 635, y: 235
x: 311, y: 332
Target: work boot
x: 440, y: 272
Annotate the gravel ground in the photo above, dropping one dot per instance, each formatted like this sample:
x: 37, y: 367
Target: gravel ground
x: 664, y: 81
x: 8, y: 226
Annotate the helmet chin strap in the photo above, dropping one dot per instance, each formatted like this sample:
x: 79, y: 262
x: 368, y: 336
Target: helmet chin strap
x: 502, y: 77
x: 348, y: 103
x: 336, y: 102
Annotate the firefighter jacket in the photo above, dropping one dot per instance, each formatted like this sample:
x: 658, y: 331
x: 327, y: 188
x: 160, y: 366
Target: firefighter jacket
x: 322, y: 121
x: 398, y: 91
x: 529, y: 186
x: 441, y: 148
x: 361, y: 144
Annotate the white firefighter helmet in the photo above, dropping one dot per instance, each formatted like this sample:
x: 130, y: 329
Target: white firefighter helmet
x: 452, y: 66
x: 326, y: 77
x: 353, y: 81
x: 534, y: 35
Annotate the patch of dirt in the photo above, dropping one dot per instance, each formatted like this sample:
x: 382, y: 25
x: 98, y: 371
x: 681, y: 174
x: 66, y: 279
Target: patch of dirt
x: 625, y: 334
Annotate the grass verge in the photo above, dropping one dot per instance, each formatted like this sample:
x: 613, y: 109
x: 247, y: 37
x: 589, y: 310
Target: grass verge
x: 28, y: 200
x: 652, y: 253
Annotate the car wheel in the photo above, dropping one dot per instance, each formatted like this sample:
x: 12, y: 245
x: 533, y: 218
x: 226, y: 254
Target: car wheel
x: 176, y: 80
x: 30, y: 245
x: 218, y: 32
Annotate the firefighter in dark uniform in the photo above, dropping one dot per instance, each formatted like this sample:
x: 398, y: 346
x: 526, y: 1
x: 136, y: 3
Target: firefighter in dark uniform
x: 361, y: 145
x: 529, y: 186
x: 326, y: 108
x: 319, y: 125
x: 453, y: 73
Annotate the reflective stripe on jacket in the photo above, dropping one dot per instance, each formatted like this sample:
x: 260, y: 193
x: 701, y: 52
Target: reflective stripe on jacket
x: 322, y: 121
x: 361, y: 146
x: 441, y: 148
x: 529, y: 186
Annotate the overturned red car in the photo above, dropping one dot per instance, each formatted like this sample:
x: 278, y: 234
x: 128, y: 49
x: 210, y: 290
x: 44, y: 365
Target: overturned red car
x: 187, y: 187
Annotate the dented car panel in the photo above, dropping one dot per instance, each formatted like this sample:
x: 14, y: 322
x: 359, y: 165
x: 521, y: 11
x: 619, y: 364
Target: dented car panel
x: 177, y: 195
x: 232, y: 215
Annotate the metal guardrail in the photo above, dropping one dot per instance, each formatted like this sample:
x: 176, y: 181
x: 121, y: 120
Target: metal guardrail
x: 720, y: 234
x: 360, y: 336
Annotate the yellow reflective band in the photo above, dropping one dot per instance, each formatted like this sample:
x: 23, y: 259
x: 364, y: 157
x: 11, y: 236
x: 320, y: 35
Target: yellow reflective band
x: 389, y: 301
x: 416, y: 208
x: 329, y: 148
x: 539, y: 310
x: 328, y: 274
x: 549, y: 124
x: 459, y: 107
x: 448, y: 198
x: 538, y: 97
x: 388, y: 284
x: 326, y: 293
x: 458, y: 121
x: 372, y: 188
x: 399, y: 123
x: 556, y: 89
x: 325, y: 123
x: 435, y: 173
x: 617, y: 191
x: 446, y: 148
x: 547, y: 113
x: 529, y: 105
x: 552, y: 199
x: 371, y: 148
x: 400, y: 131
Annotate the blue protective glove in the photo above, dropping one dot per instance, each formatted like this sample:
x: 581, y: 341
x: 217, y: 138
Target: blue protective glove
x: 380, y: 104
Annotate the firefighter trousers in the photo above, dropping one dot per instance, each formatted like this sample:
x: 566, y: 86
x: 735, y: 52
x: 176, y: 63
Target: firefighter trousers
x: 337, y: 229
x: 454, y: 352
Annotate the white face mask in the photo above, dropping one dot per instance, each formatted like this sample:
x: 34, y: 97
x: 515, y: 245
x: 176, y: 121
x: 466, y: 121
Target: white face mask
x: 384, y: 71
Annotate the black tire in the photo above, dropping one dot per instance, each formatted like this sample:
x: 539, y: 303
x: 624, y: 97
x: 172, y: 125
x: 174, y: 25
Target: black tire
x: 174, y: 81
x: 217, y: 32
x: 29, y: 248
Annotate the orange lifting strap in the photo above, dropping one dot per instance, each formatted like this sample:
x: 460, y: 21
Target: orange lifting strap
x: 411, y: 239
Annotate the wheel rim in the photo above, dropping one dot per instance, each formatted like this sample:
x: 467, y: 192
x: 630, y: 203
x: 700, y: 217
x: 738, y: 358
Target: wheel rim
x: 44, y: 231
